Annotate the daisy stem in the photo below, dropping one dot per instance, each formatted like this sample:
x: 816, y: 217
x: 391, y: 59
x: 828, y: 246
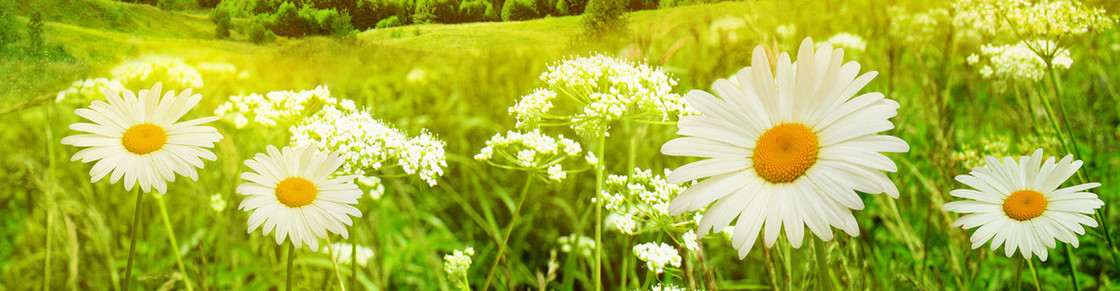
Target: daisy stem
x: 823, y: 271
x: 291, y: 257
x: 509, y: 230
x: 1034, y: 273
x: 174, y: 244
x: 1017, y: 277
x: 132, y: 238
x: 599, y: 179
x: 334, y: 262
x: 1070, y: 268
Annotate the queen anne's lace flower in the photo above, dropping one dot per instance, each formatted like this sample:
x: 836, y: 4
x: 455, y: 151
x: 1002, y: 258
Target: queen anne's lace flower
x: 606, y: 88
x: 530, y: 151
x: 1020, y: 62
x: 275, y: 106
x: 657, y: 256
x: 639, y: 199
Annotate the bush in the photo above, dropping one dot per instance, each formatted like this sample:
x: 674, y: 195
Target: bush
x: 208, y: 3
x: 437, y: 11
x: 8, y: 25
x: 372, y: 12
x: 287, y: 21
x: 333, y: 23
x: 392, y: 21
x: 222, y: 19
x: 570, y: 7
x: 516, y: 10
x: 258, y: 34
x: 477, y: 10
x: 604, y: 17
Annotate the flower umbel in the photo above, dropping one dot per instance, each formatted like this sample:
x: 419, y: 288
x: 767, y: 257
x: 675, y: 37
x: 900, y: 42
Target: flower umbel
x: 657, y: 256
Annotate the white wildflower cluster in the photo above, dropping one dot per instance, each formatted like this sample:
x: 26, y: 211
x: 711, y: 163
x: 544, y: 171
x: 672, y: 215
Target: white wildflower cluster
x: 173, y: 72
x: 848, y: 41
x: 376, y: 188
x: 456, y: 265
x: 366, y: 143
x: 1020, y: 62
x: 530, y: 151
x: 916, y: 28
x: 342, y: 252
x: 691, y: 241
x: 577, y: 244
x: 217, y: 203
x: 639, y: 199
x: 657, y: 256
x: 276, y: 106
x: 606, y: 89
x: 87, y: 90
x: 1053, y: 20
x: 667, y: 287
x: 725, y: 29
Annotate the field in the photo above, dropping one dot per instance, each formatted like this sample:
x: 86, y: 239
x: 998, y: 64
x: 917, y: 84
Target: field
x: 458, y: 82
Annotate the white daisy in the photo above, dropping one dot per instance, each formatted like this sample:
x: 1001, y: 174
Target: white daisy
x: 139, y: 138
x: 787, y: 148
x: 292, y: 192
x: 1019, y: 203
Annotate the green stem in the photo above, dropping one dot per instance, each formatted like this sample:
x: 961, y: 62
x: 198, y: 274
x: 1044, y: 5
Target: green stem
x: 509, y: 230
x: 599, y: 179
x: 291, y: 257
x: 47, y: 259
x: 1017, y: 277
x: 174, y: 244
x: 823, y: 271
x: 334, y: 263
x: 1034, y: 273
x: 1070, y: 268
x: 132, y: 238
x: 354, y: 265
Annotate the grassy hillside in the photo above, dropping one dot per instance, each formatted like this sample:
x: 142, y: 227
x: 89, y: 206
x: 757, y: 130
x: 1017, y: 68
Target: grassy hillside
x: 458, y: 81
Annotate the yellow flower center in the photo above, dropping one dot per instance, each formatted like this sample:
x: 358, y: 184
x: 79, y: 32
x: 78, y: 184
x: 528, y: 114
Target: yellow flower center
x: 144, y: 138
x: 296, y: 192
x: 1024, y: 205
x: 785, y: 152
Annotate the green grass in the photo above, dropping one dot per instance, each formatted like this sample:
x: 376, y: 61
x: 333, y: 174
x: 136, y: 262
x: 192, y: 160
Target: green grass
x: 474, y: 72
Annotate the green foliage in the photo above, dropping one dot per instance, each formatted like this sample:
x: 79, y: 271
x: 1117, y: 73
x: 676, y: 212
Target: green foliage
x: 392, y: 21
x: 604, y: 17
x: 371, y: 12
x: 571, y: 7
x: 477, y: 11
x: 258, y: 34
x: 517, y: 10
x: 9, y: 25
x: 174, y: 5
x: 437, y: 11
x: 287, y: 21
x: 222, y: 18
x: 35, y: 33
x: 208, y: 3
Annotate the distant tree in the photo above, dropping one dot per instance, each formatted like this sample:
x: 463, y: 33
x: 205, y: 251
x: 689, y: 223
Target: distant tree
x: 571, y: 7
x: 515, y: 10
x: 8, y: 25
x: 392, y: 21
x: 208, y: 3
x: 35, y: 33
x: 476, y: 11
x: 604, y: 17
x: 222, y: 19
x: 287, y: 21
x: 258, y: 34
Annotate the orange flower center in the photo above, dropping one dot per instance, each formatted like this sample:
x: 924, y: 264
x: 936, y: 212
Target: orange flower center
x: 1024, y: 205
x: 785, y: 152
x: 296, y: 192
x: 144, y: 138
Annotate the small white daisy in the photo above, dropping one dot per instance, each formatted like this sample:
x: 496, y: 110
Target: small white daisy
x: 292, y: 192
x: 1019, y: 203
x: 790, y: 148
x: 139, y: 138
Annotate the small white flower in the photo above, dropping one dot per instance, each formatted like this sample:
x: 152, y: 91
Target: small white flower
x: 457, y: 264
x: 691, y: 242
x: 556, y: 173
x: 657, y: 256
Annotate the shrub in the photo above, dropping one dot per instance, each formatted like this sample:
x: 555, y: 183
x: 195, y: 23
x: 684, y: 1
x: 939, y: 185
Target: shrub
x: 437, y: 11
x: 515, y: 10
x: 604, y: 17
x: 372, y: 12
x: 258, y: 34
x: 8, y: 33
x: 333, y: 23
x: 208, y: 3
x: 392, y: 21
x: 287, y: 21
x: 570, y: 7
x: 222, y: 19
x: 477, y: 10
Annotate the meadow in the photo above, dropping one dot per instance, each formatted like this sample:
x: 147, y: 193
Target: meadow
x: 457, y: 82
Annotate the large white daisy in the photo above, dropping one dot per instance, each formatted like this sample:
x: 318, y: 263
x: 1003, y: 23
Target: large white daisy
x: 293, y: 192
x: 139, y: 138
x: 789, y: 148
x: 1019, y: 203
